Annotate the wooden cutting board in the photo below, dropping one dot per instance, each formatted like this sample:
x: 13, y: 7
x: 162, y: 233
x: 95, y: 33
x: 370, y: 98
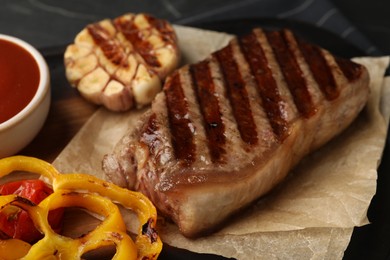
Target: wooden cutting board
x: 68, y: 112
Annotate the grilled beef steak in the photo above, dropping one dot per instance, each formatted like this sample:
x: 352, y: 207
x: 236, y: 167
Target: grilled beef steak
x: 226, y: 130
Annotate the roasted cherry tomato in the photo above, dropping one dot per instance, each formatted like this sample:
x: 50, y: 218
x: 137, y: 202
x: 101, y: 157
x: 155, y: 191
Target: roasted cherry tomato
x: 15, y: 222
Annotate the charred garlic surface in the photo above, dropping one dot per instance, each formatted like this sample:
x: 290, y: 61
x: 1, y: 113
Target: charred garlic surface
x: 121, y: 63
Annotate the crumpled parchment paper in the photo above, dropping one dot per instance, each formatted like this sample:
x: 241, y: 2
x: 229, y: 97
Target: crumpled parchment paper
x: 311, y: 215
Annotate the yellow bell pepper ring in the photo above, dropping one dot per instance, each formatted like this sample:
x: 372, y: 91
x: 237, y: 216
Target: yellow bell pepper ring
x: 92, y: 194
x: 11, y: 249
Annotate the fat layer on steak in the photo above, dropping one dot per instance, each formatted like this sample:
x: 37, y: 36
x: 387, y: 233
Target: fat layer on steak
x: 225, y: 131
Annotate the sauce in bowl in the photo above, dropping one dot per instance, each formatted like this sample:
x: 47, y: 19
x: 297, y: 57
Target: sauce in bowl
x: 19, y: 79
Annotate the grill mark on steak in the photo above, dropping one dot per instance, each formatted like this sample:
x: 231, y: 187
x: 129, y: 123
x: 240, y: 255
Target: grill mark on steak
x: 266, y: 85
x: 131, y: 32
x: 111, y: 48
x: 181, y: 127
x: 319, y: 69
x: 351, y: 70
x: 204, y: 89
x: 237, y: 95
x: 292, y: 73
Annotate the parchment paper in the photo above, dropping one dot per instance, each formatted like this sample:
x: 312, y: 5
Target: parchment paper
x: 311, y: 215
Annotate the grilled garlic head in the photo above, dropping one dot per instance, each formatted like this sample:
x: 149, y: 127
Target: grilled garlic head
x: 121, y: 63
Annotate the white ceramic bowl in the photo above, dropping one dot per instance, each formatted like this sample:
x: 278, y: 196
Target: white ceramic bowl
x: 18, y: 131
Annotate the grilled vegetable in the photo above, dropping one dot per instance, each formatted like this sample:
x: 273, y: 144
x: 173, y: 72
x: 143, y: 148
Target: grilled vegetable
x: 15, y: 223
x: 120, y: 63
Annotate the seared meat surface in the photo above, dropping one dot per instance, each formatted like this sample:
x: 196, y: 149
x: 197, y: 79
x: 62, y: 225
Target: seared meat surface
x: 225, y: 131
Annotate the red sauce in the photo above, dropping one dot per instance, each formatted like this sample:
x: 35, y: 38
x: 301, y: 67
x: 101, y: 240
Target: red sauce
x: 19, y: 79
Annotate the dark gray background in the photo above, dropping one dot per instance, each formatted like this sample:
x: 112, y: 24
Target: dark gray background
x: 54, y: 22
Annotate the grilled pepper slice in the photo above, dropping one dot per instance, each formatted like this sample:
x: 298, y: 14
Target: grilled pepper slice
x: 91, y: 193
